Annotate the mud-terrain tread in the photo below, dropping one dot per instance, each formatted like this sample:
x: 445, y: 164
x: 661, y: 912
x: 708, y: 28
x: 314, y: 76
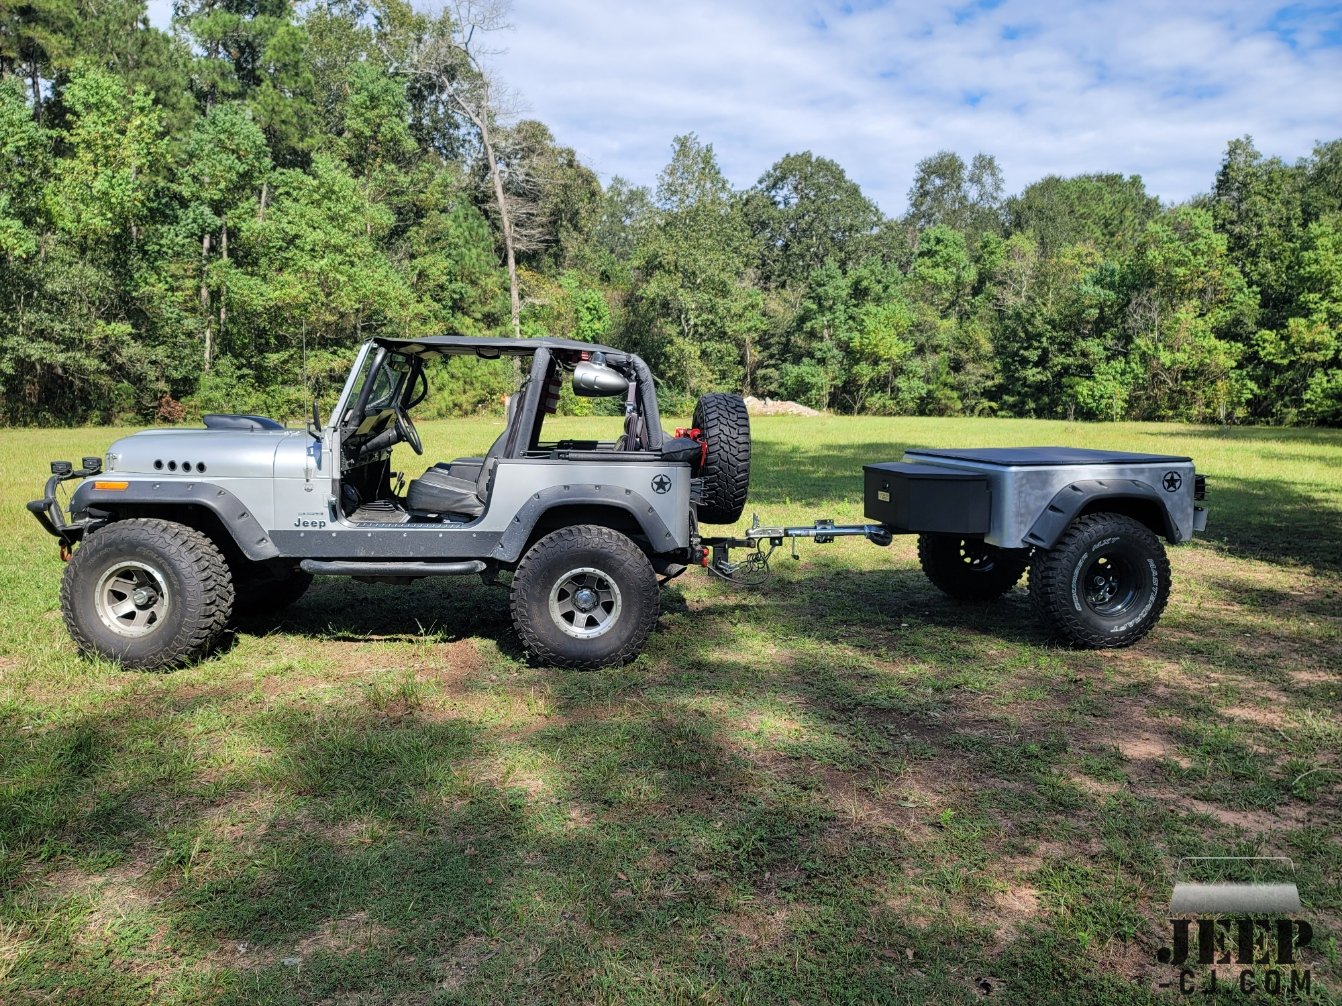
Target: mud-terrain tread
x: 1050, y: 576
x: 725, y: 423
x: 526, y: 608
x: 207, y: 614
x: 939, y: 556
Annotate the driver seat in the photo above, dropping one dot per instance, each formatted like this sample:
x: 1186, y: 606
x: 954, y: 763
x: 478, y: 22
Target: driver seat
x: 438, y: 491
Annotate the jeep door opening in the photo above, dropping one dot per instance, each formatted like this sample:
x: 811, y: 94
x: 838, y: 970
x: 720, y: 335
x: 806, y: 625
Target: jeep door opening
x: 178, y: 529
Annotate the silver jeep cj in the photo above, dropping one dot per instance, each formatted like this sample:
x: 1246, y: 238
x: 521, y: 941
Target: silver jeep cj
x: 177, y: 529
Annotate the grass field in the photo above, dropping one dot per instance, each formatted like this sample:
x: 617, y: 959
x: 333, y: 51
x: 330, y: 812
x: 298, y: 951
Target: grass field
x: 839, y: 788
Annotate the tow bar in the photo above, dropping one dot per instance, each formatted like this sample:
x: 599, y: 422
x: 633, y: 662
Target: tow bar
x: 754, y: 568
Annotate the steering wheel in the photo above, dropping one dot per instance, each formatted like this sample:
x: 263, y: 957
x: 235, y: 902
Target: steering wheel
x: 405, y: 429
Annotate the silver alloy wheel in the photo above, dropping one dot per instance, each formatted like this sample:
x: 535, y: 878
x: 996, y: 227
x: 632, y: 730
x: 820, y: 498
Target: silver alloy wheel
x: 131, y: 598
x: 585, y: 603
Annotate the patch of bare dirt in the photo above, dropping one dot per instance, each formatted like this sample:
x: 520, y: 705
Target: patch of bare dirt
x: 761, y: 926
x: 242, y: 818
x: 1308, y: 677
x: 1129, y: 727
x: 579, y: 815
x: 905, y: 803
x: 1259, y: 716
x: 460, y: 662
x: 346, y: 935
x: 1096, y: 787
x: 775, y: 407
x: 349, y: 934
x: 1288, y: 815
x: 1014, y: 907
x: 461, y: 964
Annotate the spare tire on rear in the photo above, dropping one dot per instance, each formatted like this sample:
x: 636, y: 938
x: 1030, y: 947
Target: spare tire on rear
x: 725, y: 426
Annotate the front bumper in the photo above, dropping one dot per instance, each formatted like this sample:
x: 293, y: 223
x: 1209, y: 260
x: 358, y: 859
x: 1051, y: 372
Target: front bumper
x: 51, y: 515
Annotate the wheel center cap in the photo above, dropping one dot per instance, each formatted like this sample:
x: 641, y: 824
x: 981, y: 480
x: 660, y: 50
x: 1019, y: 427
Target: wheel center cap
x: 585, y: 599
x: 143, y: 597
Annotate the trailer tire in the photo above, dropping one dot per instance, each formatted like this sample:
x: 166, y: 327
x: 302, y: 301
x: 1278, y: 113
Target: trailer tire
x: 584, y: 597
x: 147, y: 593
x: 1104, y: 584
x: 725, y: 425
x: 967, y: 568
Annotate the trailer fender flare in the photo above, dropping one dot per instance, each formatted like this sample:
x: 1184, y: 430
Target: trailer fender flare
x: 157, y: 499
x: 1133, y: 497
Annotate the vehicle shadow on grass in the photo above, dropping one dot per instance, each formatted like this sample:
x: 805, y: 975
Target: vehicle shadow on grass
x: 825, y: 601
x: 342, y: 610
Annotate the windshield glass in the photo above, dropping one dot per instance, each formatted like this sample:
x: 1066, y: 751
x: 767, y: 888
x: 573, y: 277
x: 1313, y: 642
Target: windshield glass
x: 383, y: 378
x: 386, y: 380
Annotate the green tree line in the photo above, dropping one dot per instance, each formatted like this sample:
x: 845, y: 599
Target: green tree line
x: 210, y: 218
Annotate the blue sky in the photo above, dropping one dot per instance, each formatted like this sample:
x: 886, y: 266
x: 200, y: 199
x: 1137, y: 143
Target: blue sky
x: 1140, y: 87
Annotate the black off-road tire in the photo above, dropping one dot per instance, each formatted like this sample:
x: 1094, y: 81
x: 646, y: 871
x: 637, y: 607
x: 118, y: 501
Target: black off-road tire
x: 261, y: 590
x: 967, y: 568
x: 549, y: 580
x: 725, y: 424
x: 1104, y: 584
x: 176, y: 565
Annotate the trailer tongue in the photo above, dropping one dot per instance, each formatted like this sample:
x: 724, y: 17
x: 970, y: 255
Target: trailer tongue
x: 1087, y: 524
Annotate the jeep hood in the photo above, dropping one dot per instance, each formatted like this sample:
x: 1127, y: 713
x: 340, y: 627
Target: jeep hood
x: 207, y: 453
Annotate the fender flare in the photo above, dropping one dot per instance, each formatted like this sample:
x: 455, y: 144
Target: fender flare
x: 251, y: 538
x: 1070, y: 500
x: 514, y: 540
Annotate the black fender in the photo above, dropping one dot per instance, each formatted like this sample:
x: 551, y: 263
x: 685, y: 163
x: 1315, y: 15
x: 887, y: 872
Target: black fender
x: 152, y: 499
x: 1129, y: 496
x: 514, y: 541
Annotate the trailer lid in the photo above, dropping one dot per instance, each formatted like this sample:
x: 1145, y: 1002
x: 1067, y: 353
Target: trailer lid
x: 1027, y: 457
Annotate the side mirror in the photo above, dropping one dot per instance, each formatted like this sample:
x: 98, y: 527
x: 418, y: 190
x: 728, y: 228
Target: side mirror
x: 595, y: 380
x: 315, y: 423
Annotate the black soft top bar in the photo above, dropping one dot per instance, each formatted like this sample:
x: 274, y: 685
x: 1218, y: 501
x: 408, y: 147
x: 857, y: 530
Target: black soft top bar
x: 491, y: 347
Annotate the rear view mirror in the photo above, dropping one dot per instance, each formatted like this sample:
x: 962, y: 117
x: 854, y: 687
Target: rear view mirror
x: 594, y: 380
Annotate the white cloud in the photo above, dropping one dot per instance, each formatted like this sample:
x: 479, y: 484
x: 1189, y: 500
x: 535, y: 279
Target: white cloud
x: 1143, y: 88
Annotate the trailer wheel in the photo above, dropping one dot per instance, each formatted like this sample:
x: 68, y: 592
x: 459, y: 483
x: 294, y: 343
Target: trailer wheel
x: 967, y: 568
x: 584, y: 597
x: 1104, y: 584
x: 725, y: 424
x: 147, y: 593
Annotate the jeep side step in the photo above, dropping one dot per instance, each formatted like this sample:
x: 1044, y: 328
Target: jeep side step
x: 348, y: 567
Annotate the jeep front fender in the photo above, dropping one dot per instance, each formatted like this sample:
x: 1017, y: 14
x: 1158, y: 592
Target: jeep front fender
x: 163, y: 497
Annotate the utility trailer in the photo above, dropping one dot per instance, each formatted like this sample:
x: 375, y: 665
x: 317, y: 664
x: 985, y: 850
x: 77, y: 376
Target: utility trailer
x: 1087, y: 524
